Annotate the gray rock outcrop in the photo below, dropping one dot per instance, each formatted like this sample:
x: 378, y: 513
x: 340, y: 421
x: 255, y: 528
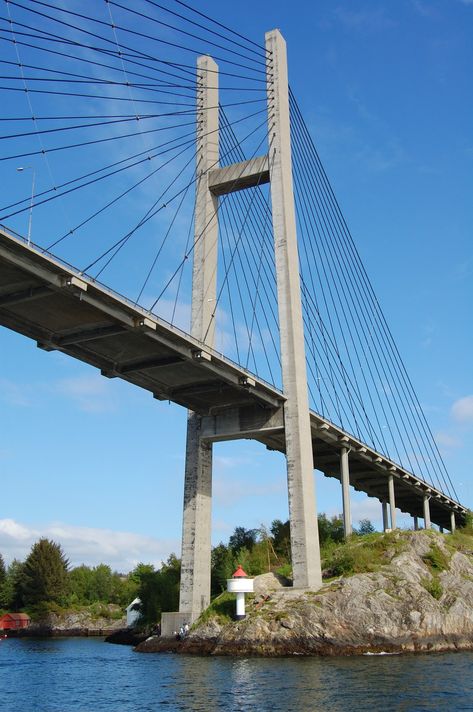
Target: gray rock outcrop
x: 420, y: 598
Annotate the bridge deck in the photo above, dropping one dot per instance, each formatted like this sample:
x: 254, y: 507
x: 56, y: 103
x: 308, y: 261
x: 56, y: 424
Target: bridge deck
x: 60, y: 309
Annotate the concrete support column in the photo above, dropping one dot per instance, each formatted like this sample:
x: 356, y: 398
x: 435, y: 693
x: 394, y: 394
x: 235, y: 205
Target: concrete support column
x: 385, y: 516
x: 392, y: 501
x: 452, y: 522
x: 416, y: 523
x: 300, y: 463
x: 427, y: 522
x: 345, y: 480
x: 194, y: 593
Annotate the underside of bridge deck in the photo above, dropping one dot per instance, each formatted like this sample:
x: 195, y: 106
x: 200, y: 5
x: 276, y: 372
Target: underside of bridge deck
x: 63, y: 310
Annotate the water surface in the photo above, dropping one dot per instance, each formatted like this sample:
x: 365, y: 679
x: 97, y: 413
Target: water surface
x: 86, y: 674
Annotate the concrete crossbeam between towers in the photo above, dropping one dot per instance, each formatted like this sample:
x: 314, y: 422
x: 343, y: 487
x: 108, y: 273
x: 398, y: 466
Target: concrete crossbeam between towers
x: 239, y: 176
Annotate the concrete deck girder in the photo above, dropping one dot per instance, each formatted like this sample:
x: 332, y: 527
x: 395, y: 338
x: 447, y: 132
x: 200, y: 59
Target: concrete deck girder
x: 26, y: 267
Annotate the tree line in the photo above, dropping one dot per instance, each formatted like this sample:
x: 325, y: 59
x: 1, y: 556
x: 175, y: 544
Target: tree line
x: 45, y: 581
x: 45, y: 578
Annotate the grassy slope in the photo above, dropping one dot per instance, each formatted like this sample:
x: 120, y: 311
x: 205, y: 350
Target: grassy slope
x: 364, y: 554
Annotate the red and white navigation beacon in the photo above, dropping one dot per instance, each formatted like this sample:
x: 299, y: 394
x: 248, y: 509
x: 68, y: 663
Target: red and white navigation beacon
x: 240, y: 584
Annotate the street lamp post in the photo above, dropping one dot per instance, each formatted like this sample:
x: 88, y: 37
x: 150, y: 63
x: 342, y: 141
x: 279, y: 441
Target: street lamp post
x: 30, y: 217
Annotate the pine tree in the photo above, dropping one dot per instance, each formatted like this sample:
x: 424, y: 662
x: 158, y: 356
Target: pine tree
x: 44, y: 576
x: 12, y: 596
x: 3, y: 577
x: 3, y: 571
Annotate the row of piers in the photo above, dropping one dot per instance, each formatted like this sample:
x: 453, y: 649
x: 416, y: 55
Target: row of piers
x: 388, y: 505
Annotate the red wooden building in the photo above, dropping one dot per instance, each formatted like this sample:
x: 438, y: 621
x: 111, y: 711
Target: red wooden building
x: 14, y: 621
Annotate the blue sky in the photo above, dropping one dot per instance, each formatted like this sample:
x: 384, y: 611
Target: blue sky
x: 386, y: 90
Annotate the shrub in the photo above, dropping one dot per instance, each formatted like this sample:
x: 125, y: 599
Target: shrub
x: 436, y: 559
x: 222, y: 609
x: 433, y: 586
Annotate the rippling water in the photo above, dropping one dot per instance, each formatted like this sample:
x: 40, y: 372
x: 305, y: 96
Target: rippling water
x: 67, y: 675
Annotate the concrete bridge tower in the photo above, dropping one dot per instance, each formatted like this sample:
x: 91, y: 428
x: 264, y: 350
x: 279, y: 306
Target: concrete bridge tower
x: 213, y: 182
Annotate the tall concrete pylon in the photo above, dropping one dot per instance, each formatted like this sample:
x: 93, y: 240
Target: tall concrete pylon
x: 212, y: 182
x: 300, y: 463
x: 194, y: 594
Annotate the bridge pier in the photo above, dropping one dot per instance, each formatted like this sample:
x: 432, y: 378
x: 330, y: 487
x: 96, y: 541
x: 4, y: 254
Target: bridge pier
x: 416, y: 524
x: 194, y: 594
x: 426, y: 502
x: 385, y: 515
x: 452, y: 522
x: 345, y: 480
x: 392, y: 501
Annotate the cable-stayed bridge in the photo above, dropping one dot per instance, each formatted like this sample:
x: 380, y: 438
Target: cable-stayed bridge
x: 278, y: 336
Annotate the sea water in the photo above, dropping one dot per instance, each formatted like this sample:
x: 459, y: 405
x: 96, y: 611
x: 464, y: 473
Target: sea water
x: 86, y: 674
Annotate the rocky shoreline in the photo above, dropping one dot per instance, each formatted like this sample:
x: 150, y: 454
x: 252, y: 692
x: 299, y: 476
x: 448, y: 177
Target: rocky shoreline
x: 419, y: 600
x: 73, y: 624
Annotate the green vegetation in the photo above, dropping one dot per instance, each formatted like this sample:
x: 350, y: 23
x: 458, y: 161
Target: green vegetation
x: 361, y: 554
x: 221, y: 608
x: 436, y: 559
x: 44, y: 575
x: 433, y: 586
x: 3, y: 571
x: 158, y: 591
x: 43, y: 582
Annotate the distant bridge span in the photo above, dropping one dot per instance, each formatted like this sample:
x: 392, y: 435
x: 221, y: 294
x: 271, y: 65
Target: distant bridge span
x: 61, y: 309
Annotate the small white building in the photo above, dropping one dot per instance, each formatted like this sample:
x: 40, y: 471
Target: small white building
x: 132, y: 614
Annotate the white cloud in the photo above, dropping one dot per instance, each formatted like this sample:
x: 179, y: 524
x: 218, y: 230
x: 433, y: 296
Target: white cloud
x: 229, y: 490
x: 86, y: 545
x: 91, y: 393
x: 425, y: 9
x: 14, y: 394
x: 372, y: 20
x: 365, y: 508
x: 462, y: 410
x: 446, y: 440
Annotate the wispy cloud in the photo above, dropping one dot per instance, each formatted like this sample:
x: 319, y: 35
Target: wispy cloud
x: 425, y: 9
x: 364, y: 20
x: 86, y: 545
x: 228, y: 490
x: 379, y: 159
x: 462, y: 410
x: 91, y: 393
x: 14, y: 393
x: 365, y: 508
x: 447, y: 441
x: 428, y: 331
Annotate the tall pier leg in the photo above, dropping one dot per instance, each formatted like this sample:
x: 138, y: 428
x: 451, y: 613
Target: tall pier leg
x: 300, y: 464
x: 345, y: 480
x: 392, y: 501
x: 194, y: 595
x: 452, y: 522
x: 385, y: 516
x: 427, y: 522
x: 416, y: 524
x: 196, y: 527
